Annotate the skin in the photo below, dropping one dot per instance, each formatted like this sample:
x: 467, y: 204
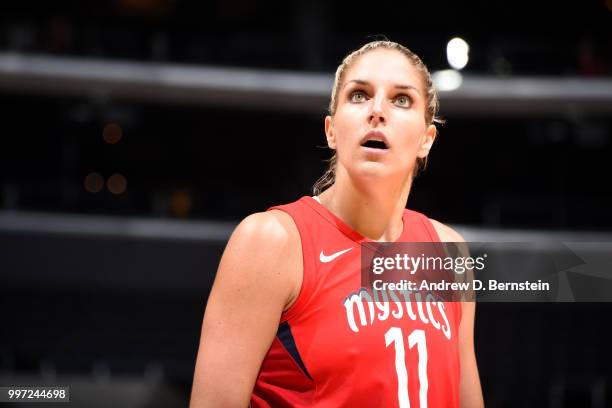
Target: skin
x: 381, y: 91
x: 367, y: 183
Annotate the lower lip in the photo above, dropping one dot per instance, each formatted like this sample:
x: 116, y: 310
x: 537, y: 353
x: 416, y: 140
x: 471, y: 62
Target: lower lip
x: 372, y: 150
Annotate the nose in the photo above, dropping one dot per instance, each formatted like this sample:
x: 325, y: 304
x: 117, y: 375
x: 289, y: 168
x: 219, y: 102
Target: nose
x: 377, y: 114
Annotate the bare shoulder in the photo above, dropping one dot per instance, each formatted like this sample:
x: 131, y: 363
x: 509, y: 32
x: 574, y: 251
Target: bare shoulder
x: 446, y: 233
x: 270, y: 228
x: 267, y: 246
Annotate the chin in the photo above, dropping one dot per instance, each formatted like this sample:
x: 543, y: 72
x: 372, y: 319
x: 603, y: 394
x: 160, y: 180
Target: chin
x: 372, y: 169
x: 378, y: 171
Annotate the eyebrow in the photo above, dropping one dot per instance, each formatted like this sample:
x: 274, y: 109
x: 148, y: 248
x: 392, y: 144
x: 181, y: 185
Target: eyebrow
x: 397, y: 86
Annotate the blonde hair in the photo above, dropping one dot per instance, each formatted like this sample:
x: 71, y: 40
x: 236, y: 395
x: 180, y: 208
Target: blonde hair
x: 431, y: 110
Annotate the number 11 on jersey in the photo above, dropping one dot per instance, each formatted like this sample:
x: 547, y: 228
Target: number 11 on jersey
x: 394, y: 335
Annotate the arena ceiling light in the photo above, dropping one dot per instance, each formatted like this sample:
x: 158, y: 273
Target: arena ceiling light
x: 447, y: 80
x: 457, y: 51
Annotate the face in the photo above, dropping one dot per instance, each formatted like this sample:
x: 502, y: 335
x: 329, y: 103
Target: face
x: 379, y: 129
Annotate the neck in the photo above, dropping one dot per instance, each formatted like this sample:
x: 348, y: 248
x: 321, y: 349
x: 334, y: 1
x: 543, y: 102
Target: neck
x: 374, y: 211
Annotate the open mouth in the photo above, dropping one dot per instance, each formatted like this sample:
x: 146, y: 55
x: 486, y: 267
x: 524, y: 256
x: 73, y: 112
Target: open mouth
x: 375, y: 144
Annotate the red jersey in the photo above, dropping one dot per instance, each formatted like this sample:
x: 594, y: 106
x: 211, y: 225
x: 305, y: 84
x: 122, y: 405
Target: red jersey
x: 334, y: 348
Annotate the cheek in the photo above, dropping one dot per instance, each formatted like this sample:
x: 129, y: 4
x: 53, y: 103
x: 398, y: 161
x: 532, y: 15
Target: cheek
x: 345, y: 131
x: 412, y: 134
x: 410, y: 144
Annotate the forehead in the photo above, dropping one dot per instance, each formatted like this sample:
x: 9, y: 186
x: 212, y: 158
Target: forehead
x: 384, y: 65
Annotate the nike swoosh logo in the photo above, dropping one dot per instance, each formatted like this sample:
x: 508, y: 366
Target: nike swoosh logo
x: 328, y: 258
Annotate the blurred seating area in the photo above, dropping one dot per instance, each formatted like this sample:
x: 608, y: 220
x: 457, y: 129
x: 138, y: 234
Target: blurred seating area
x: 136, y: 134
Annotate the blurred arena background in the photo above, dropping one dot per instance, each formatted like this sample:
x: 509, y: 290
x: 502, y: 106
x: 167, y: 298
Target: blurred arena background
x: 137, y: 133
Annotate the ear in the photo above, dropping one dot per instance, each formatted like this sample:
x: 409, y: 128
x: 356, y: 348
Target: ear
x: 428, y: 140
x: 329, y: 132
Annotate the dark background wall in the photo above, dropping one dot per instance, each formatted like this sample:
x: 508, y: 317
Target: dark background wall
x: 105, y: 291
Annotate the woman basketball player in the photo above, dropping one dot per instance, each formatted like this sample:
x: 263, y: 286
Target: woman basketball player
x: 285, y: 325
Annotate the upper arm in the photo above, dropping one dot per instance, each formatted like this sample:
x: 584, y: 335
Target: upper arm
x: 255, y: 282
x: 470, y: 389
